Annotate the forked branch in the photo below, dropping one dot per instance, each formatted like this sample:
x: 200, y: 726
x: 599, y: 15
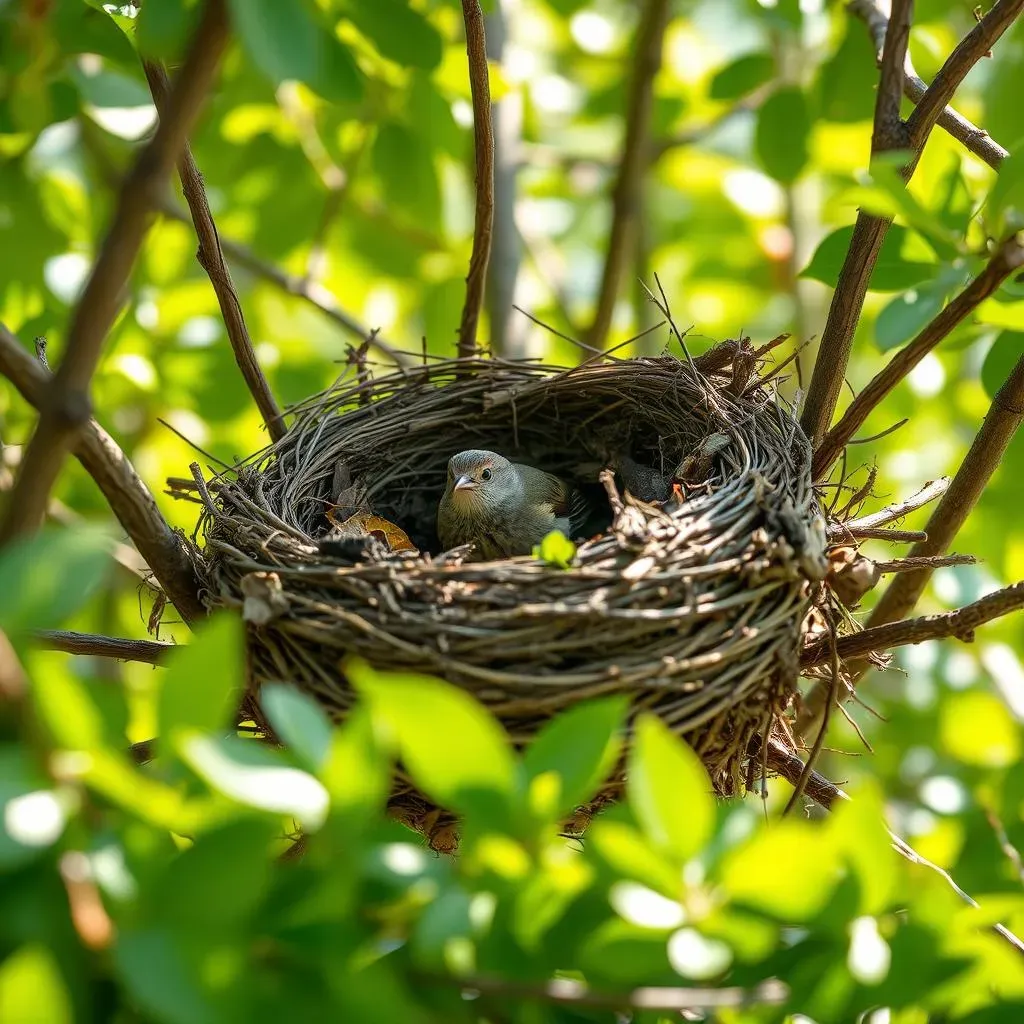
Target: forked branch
x: 483, y: 146
x: 149, y: 652
x: 211, y: 259
x: 65, y: 405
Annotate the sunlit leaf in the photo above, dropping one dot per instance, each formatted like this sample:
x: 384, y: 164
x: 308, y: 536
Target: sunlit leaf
x: 906, y: 314
x: 398, y: 31
x: 298, y: 720
x: 783, y: 129
x: 1006, y: 352
x: 978, y: 729
x: 743, y: 75
x: 32, y: 989
x: 893, y: 270
x: 555, y: 549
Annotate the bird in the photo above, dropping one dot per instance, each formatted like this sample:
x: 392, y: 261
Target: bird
x: 504, y: 508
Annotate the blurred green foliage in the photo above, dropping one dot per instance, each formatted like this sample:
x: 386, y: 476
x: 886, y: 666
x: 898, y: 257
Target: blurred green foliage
x: 338, y: 145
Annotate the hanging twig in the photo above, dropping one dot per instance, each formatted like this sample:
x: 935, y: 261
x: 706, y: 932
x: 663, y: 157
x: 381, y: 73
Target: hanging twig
x: 164, y: 550
x: 1008, y: 257
x: 483, y: 147
x: 211, y: 259
x: 650, y: 37
x: 65, y: 406
x: 975, y: 139
x: 91, y: 644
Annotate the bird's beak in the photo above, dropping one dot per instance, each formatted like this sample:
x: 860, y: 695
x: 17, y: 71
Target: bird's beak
x: 465, y: 483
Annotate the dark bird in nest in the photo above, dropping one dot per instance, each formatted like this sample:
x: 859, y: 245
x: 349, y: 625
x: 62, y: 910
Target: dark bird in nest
x: 505, y: 508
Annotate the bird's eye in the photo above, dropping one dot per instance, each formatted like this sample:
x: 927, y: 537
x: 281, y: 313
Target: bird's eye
x: 485, y: 475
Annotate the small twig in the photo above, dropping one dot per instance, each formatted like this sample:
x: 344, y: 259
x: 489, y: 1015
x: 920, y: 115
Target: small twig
x: 483, y: 147
x: 65, y: 405
x: 650, y: 36
x: 924, y: 562
x: 891, y: 513
x: 1009, y: 850
x: 960, y: 624
x: 868, y: 533
x: 91, y: 644
x: 566, y: 992
x: 558, y: 334
x: 975, y: 139
x: 164, y: 550
x: 211, y: 259
x: 204, y: 493
x: 882, y: 433
x: 1004, y: 418
x: 40, y: 346
x: 1007, y: 258
x: 861, y: 494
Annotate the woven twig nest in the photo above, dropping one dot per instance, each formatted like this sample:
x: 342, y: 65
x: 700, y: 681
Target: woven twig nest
x: 695, y: 615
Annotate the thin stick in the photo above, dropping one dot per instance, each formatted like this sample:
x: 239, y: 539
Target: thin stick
x: 882, y: 433
x: 897, y: 510
x: 165, y: 551
x: 1004, y: 417
x: 650, y: 36
x: 1006, y: 259
x: 65, y: 407
x: 91, y: 644
x: 925, y: 562
x: 558, y: 334
x: 975, y: 139
x: 866, y: 533
x: 211, y: 259
x: 889, y: 133
x: 960, y: 624
x: 483, y: 146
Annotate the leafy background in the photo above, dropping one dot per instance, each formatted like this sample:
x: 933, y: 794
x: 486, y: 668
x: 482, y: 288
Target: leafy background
x: 338, y: 145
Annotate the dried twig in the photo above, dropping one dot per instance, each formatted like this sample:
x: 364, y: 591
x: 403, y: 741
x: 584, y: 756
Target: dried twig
x: 65, y: 406
x: 891, y: 513
x: 483, y: 146
x: 1008, y: 257
x: 960, y: 624
x: 975, y: 139
x: 91, y: 644
x: 1004, y: 418
x: 211, y: 259
x: 625, y: 193
x: 925, y: 562
x: 165, y: 551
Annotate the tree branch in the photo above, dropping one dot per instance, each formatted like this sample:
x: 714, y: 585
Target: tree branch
x: 976, y: 140
x: 650, y: 37
x: 147, y: 651
x: 483, y: 146
x: 1004, y: 417
x: 1007, y: 258
x: 65, y: 406
x: 975, y: 45
x: 166, y: 552
x: 888, y: 133
x: 211, y: 259
x: 897, y: 510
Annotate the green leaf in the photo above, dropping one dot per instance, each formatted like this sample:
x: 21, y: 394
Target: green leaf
x: 977, y: 729
x: 894, y: 270
x: 1006, y: 351
x: 47, y: 577
x: 157, y: 973
x: 631, y: 856
x: 452, y: 747
x: 743, y: 75
x: 905, y: 315
x: 298, y: 721
x: 847, y: 82
x: 579, y: 745
x: 287, y: 42
x: 783, y: 131
x: 858, y: 828
x: 669, y: 790
x: 446, y: 922
x: 32, y: 989
x: 1005, y: 206
x: 555, y: 549
x: 400, y: 33
x: 356, y: 772
x: 204, y: 679
x: 163, y: 27
x: 405, y: 163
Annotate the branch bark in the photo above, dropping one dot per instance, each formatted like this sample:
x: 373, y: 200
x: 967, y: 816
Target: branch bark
x: 65, y: 406
x: 976, y: 140
x: 149, y: 652
x: 166, y: 552
x: 1007, y: 258
x: 483, y: 146
x: 897, y: 510
x: 650, y: 37
x: 211, y: 259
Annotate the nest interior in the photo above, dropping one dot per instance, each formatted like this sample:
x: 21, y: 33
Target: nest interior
x: 696, y: 615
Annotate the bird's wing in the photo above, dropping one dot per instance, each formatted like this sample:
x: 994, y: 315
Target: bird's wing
x: 554, y: 495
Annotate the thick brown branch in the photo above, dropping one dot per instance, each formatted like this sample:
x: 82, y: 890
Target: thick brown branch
x: 483, y: 146
x: 1004, y: 418
x: 146, y: 651
x: 973, y: 138
x: 65, y: 406
x: 960, y: 624
x: 649, y: 43
x: 166, y: 552
x: 211, y: 259
x: 975, y: 45
x: 1008, y: 258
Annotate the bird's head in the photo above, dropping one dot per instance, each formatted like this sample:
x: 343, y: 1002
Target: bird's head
x: 479, y: 478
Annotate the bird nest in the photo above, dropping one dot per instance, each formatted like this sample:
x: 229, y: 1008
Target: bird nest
x: 696, y: 613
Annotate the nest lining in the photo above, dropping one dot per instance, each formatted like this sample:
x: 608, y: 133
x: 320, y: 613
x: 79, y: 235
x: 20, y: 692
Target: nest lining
x: 697, y: 616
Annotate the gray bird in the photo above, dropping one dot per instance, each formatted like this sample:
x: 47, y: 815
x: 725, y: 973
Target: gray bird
x: 502, y: 507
